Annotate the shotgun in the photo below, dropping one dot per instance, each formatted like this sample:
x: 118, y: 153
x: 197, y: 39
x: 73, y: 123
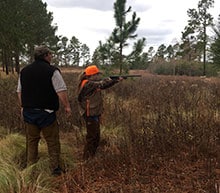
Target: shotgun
x: 124, y: 76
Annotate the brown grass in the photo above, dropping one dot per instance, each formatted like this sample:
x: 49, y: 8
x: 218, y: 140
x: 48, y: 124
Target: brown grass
x: 159, y: 134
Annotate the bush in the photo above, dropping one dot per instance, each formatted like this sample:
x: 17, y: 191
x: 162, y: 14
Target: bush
x: 182, y: 68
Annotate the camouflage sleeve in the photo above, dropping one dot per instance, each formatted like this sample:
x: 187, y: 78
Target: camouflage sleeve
x: 107, y: 82
x: 91, y: 86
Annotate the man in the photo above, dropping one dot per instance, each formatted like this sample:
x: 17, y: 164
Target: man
x: 91, y: 105
x: 40, y: 87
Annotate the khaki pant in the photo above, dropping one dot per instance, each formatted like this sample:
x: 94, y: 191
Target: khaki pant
x: 51, y: 135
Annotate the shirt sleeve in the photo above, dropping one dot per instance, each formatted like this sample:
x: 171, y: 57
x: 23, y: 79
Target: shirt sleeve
x: 19, y: 85
x: 58, y: 82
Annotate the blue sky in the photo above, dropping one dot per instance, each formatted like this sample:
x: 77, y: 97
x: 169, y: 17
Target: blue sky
x: 92, y: 20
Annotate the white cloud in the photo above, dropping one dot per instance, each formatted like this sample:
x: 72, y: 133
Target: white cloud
x: 88, y: 25
x: 92, y: 20
x: 97, y: 5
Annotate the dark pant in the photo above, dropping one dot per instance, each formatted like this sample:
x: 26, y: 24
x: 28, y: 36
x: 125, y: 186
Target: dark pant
x: 51, y: 135
x: 92, y: 137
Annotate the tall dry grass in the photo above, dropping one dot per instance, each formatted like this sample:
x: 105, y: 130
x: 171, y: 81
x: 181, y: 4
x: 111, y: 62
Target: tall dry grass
x: 159, y: 134
x: 16, y: 177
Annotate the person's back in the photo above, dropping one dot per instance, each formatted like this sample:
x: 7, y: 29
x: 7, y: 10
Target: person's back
x: 37, y: 88
x: 40, y: 87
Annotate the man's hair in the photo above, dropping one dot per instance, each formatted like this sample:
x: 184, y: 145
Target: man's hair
x: 41, y: 51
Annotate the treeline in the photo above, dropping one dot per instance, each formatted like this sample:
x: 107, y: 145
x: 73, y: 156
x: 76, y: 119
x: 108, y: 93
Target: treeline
x: 27, y: 23
x: 24, y: 24
x: 196, y: 54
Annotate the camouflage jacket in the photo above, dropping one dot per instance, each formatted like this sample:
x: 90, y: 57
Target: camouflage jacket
x: 90, y: 97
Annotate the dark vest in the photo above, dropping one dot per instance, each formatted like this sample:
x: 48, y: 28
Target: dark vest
x: 36, y: 86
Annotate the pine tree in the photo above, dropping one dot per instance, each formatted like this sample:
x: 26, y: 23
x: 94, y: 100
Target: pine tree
x: 124, y: 30
x: 199, y: 21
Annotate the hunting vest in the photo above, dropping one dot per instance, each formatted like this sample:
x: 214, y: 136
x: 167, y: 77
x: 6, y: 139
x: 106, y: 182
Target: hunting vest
x: 36, y: 86
x: 92, y: 103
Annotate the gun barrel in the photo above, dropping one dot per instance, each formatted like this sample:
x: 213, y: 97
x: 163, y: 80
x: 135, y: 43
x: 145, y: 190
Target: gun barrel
x: 124, y: 76
x: 132, y: 75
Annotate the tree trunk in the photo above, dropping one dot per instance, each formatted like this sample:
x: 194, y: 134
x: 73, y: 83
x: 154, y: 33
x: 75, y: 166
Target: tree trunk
x: 5, y: 60
x: 204, y: 51
x: 17, y: 66
x: 121, y: 58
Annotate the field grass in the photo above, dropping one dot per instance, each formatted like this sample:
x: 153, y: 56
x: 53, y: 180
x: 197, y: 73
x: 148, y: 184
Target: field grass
x: 159, y: 134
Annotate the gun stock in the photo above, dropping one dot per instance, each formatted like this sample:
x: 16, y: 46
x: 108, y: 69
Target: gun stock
x: 124, y: 76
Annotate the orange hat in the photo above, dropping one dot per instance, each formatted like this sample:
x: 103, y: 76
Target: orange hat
x: 91, y: 70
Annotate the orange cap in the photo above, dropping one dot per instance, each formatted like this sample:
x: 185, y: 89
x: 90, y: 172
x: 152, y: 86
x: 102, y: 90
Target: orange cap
x: 91, y: 70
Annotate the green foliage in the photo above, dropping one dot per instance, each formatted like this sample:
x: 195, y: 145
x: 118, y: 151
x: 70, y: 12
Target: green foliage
x: 215, y: 46
x: 215, y: 51
x: 182, y: 67
x: 199, y: 21
x: 161, y: 51
x: 24, y: 24
x: 137, y: 59
x: 111, y: 52
x: 162, y: 68
x: 123, y: 30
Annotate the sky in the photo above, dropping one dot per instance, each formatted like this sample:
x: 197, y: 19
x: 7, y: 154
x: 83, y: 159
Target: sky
x: 91, y: 21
